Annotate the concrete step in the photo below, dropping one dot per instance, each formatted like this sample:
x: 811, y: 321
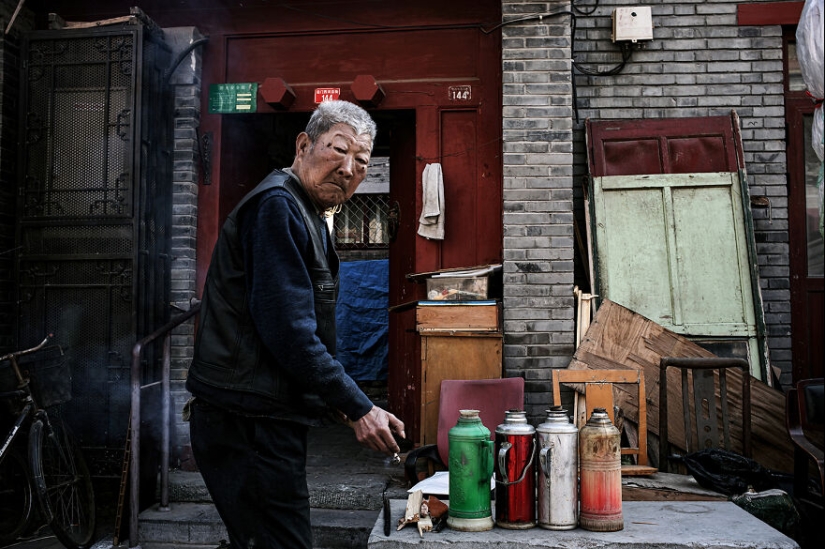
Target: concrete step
x: 344, y: 508
x: 198, y: 526
x: 328, y: 489
x: 346, y: 485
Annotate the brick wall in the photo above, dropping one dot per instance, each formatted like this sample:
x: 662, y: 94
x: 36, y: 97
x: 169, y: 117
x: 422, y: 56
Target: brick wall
x: 186, y: 86
x: 538, y: 196
x: 699, y: 63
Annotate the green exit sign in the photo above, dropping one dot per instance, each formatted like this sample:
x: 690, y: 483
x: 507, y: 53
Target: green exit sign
x: 233, y: 98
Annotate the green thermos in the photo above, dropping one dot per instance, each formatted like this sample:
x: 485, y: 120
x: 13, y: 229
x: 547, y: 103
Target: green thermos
x: 471, y: 468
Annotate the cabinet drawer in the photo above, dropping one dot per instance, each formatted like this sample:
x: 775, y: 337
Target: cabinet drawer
x: 474, y: 318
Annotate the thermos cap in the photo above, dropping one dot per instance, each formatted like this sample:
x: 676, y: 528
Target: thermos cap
x: 515, y: 416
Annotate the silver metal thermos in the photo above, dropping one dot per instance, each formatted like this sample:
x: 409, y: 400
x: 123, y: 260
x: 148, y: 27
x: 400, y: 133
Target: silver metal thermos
x: 558, y: 471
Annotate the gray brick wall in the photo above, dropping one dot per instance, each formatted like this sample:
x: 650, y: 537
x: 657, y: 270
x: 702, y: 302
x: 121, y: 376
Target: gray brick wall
x: 186, y: 85
x: 538, y: 196
x: 699, y: 63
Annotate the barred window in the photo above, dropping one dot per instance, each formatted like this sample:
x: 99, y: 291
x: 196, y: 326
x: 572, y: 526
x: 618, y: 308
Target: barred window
x: 362, y: 222
x: 360, y: 227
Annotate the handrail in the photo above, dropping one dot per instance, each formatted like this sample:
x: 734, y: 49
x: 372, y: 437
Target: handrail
x: 134, y: 421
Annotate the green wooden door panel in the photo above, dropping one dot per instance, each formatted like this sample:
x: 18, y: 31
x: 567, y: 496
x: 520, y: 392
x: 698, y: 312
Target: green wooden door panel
x: 713, y: 275
x: 672, y: 248
x: 632, y: 242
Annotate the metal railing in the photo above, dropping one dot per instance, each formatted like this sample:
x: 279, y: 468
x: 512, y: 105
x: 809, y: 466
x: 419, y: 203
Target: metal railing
x: 134, y: 421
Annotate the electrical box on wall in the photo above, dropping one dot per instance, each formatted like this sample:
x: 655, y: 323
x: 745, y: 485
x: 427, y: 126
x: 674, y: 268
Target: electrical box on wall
x: 632, y: 24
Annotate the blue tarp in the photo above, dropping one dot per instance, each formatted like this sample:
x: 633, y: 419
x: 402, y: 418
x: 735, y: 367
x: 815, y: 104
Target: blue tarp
x: 363, y: 319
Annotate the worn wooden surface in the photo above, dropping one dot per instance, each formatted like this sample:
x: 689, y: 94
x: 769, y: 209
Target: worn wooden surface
x: 448, y: 317
x: 453, y: 356
x: 621, y: 338
x: 599, y: 394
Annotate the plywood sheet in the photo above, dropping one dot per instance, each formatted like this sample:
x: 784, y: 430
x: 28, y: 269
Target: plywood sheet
x: 621, y: 338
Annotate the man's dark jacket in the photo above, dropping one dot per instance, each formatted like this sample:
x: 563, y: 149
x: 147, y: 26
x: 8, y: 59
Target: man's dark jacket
x: 231, y: 366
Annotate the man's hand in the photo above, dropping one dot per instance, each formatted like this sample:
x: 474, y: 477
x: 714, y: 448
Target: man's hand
x: 375, y: 430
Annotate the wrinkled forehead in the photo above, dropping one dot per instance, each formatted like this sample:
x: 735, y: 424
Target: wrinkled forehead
x: 348, y: 133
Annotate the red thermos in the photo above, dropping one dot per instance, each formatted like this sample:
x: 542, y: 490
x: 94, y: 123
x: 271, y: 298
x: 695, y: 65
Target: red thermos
x: 600, y: 470
x: 515, y: 472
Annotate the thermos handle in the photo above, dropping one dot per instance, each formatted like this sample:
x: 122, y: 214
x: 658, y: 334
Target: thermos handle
x: 502, y: 466
x: 545, y: 460
x: 502, y: 459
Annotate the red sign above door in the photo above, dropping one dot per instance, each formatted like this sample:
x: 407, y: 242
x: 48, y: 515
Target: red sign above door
x: 326, y: 94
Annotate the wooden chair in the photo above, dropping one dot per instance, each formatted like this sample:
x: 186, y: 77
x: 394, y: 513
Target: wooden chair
x: 804, y: 420
x: 491, y: 397
x: 598, y: 393
x: 709, y: 413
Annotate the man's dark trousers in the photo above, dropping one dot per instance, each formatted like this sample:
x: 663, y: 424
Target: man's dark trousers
x: 255, y: 471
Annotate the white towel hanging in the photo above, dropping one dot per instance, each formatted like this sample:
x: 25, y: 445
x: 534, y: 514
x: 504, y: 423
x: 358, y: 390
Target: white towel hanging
x: 431, y: 221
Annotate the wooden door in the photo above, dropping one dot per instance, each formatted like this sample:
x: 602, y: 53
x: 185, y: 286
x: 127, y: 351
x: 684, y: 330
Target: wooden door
x: 671, y: 213
x: 806, y: 244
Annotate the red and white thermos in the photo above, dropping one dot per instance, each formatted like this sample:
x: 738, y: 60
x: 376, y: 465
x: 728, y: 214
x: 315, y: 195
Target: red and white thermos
x: 515, y: 473
x: 601, y: 474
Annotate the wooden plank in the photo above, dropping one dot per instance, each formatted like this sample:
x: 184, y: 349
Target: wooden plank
x: 457, y: 317
x: 621, y: 338
x: 772, y: 13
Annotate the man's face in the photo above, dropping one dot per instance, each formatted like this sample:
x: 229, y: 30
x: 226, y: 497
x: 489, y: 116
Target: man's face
x: 332, y: 167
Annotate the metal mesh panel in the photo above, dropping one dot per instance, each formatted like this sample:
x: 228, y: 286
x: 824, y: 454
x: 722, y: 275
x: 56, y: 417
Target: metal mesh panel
x: 94, y: 211
x: 78, y: 128
x: 362, y: 222
x: 84, y: 239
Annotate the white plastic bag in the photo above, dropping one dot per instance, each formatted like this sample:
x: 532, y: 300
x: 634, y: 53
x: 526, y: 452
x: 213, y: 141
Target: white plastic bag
x: 809, y: 40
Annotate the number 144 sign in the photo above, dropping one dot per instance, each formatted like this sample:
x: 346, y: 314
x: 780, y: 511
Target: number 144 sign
x: 327, y: 94
x: 460, y: 93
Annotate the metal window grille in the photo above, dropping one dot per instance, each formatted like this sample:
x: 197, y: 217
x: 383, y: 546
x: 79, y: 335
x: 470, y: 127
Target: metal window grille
x: 362, y: 223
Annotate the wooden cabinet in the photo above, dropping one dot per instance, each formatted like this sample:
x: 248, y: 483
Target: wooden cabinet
x: 453, y: 355
x: 461, y: 340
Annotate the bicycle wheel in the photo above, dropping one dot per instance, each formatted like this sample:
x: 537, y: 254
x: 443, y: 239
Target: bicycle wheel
x: 62, y: 483
x: 15, y: 497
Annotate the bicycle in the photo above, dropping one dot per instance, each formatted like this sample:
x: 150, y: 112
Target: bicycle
x: 55, y: 470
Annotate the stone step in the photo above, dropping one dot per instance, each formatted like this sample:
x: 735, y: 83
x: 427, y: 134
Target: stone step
x: 198, y: 526
x: 327, y: 489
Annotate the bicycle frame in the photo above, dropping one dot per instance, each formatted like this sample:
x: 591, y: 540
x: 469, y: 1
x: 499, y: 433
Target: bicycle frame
x: 24, y: 414
x: 56, y: 471
x: 23, y: 392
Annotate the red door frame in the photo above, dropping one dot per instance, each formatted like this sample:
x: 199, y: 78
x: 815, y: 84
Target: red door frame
x: 465, y: 133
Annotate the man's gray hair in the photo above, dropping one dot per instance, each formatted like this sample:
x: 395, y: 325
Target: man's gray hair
x: 330, y: 113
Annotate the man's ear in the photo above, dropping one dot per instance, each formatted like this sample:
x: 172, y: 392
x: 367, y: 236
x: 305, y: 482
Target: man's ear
x: 302, y: 143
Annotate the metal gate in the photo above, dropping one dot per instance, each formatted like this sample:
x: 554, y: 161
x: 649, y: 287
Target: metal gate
x: 94, y: 209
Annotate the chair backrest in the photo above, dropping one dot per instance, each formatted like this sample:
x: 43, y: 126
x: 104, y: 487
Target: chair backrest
x: 804, y: 408
x: 491, y: 397
x: 710, y: 405
x: 598, y: 393
x: 811, y: 398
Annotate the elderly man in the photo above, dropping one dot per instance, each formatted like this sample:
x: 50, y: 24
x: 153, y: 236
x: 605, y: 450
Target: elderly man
x: 264, y: 368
